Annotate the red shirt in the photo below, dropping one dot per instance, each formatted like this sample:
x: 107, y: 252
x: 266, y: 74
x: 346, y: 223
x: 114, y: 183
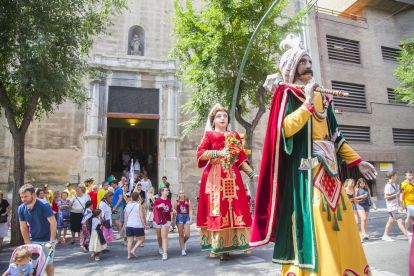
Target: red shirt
x: 94, y: 198
x: 167, y: 208
x: 182, y: 207
x: 55, y: 207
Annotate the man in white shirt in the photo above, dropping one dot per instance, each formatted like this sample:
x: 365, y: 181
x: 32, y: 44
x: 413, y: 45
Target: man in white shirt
x: 391, y: 193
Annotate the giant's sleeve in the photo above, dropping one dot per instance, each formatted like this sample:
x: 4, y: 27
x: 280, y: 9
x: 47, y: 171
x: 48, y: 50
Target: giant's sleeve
x: 203, y: 152
x: 296, y: 120
x: 349, y: 155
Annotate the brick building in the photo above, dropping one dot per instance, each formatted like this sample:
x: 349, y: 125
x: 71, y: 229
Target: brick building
x: 357, y: 44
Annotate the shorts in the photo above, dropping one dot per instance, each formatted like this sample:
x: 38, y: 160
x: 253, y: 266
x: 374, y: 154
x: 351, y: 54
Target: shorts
x: 134, y: 232
x: 183, y: 219
x: 117, y: 215
x: 410, y: 210
x: 168, y: 224
x: 395, y: 215
x: 364, y: 207
x: 46, y: 251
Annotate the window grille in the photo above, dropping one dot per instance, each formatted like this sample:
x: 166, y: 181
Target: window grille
x: 356, y: 99
x: 356, y: 133
x: 390, y: 54
x: 403, y: 135
x: 392, y: 96
x: 343, y: 49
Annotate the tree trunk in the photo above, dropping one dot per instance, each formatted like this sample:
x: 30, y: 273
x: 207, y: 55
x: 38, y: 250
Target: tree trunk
x: 250, y: 127
x: 249, y: 141
x: 18, y: 174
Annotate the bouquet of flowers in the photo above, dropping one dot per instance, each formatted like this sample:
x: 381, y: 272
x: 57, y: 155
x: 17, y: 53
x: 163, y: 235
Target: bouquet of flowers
x: 232, y: 148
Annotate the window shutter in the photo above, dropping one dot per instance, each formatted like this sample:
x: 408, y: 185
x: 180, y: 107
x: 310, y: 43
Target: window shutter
x: 356, y: 133
x: 356, y: 99
x: 403, y: 135
x: 392, y: 96
x: 390, y: 54
x: 343, y: 49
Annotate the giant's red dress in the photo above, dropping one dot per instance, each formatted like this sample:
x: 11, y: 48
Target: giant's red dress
x: 223, y: 211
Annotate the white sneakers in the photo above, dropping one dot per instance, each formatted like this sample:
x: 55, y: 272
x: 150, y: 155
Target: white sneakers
x: 125, y: 243
x: 164, y: 256
x: 388, y: 239
x: 118, y: 237
x: 183, y: 252
x: 160, y: 250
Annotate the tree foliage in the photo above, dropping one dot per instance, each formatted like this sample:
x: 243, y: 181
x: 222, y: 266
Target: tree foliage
x: 43, y: 45
x: 43, y: 62
x: 210, y: 46
x: 405, y: 72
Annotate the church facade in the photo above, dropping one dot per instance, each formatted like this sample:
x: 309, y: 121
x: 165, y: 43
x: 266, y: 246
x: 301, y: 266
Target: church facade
x: 134, y: 112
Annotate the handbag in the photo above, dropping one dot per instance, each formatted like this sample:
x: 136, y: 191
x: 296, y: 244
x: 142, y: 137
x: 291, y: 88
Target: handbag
x: 159, y: 217
x: 3, y: 219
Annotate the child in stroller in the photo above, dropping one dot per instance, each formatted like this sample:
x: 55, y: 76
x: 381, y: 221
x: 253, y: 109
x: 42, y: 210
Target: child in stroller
x: 28, y: 260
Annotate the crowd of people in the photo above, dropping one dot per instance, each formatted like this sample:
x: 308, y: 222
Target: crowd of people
x: 399, y: 198
x: 98, y: 216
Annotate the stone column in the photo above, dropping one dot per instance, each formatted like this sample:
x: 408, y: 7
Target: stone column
x: 92, y: 160
x: 171, y: 164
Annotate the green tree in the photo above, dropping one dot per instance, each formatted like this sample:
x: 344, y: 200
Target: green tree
x: 43, y: 51
x: 405, y: 72
x: 210, y: 46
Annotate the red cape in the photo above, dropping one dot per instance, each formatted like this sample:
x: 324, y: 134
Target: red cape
x: 272, y: 172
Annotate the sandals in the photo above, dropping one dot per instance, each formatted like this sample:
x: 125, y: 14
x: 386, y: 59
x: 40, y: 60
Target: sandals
x: 133, y: 254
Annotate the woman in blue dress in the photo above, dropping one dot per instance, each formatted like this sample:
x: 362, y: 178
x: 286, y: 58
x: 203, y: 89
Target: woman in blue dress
x: 63, y: 217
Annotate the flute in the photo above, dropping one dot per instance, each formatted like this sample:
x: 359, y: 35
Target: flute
x: 339, y: 93
x: 274, y: 81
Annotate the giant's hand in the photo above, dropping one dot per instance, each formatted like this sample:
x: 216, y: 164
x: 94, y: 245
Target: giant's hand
x: 367, y: 170
x: 310, y: 92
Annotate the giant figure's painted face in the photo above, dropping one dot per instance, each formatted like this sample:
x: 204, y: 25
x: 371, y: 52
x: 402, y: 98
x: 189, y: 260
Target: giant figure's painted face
x: 304, y: 69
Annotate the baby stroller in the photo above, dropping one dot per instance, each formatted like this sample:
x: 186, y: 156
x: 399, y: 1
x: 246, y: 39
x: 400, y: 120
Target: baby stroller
x: 39, y: 260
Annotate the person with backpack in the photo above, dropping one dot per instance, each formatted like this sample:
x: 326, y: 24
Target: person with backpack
x: 134, y: 224
x: 184, y: 219
x: 86, y: 226
x: 391, y: 194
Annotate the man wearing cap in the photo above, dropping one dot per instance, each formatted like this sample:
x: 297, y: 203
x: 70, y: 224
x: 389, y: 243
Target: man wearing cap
x: 300, y: 201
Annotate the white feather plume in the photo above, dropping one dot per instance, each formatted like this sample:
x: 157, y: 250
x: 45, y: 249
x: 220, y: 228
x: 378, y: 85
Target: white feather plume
x: 290, y: 42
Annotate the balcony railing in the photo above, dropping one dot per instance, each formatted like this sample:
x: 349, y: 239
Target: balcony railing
x: 341, y: 14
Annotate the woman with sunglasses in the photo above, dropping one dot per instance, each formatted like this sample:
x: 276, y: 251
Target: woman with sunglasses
x: 5, y: 209
x: 164, y: 205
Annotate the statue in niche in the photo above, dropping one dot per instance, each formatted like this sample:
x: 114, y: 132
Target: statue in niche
x: 135, y: 46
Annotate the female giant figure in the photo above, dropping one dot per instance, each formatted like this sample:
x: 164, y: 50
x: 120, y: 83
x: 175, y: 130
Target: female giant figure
x: 223, y: 211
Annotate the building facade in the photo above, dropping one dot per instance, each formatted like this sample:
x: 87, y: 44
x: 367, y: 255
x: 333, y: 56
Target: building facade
x: 357, y: 45
x: 134, y: 109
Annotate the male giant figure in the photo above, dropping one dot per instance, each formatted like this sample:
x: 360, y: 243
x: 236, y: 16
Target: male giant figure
x: 300, y: 202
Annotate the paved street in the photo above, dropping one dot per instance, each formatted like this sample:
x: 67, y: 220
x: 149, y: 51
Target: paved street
x: 385, y: 258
